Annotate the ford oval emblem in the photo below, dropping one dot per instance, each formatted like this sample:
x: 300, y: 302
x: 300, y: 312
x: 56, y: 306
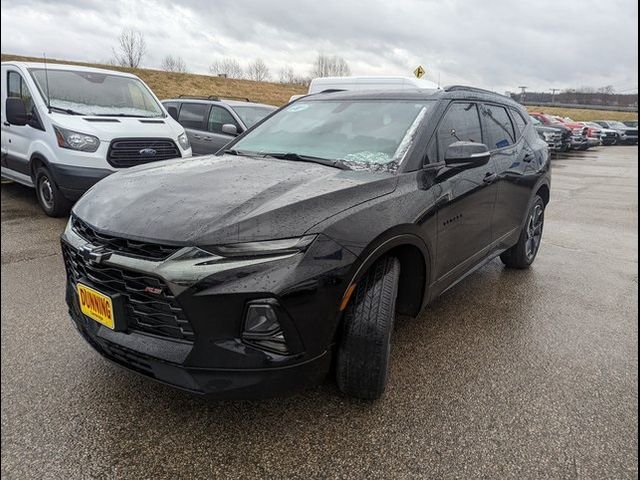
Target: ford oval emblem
x: 147, y: 152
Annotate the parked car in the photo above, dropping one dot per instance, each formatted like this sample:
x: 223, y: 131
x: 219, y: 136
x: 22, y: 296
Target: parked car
x: 594, y: 134
x: 579, y: 133
x: 65, y: 127
x: 549, y: 121
x: 248, y: 273
x: 212, y: 122
x: 554, y: 136
x: 628, y: 135
x: 608, y: 136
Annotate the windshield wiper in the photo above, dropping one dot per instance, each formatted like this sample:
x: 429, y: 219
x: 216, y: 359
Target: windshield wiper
x: 68, y: 111
x: 130, y: 115
x: 296, y: 157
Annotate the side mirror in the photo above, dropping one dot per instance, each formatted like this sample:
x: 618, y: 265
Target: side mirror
x: 230, y: 129
x: 173, y: 113
x: 469, y: 154
x: 16, y: 111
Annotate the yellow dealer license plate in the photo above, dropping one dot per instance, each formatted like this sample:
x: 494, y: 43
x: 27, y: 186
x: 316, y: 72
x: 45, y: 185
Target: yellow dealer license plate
x: 96, y: 305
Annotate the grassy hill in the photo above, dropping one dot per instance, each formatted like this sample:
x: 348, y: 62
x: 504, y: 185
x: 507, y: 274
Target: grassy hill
x: 168, y: 84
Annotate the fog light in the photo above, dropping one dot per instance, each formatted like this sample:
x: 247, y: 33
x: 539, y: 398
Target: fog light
x: 262, y: 329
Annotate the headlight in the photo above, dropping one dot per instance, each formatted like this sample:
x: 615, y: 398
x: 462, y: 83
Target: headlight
x: 183, y: 140
x: 270, y: 247
x: 548, y: 135
x: 76, y: 140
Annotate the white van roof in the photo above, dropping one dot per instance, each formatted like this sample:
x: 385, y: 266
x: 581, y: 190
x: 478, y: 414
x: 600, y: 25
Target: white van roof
x: 370, y: 83
x: 63, y: 66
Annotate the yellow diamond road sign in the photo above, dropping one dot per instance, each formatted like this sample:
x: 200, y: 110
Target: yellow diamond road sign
x: 419, y: 71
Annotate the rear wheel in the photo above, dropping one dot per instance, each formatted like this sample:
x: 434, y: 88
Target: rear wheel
x: 49, y: 195
x: 523, y: 253
x: 365, y: 344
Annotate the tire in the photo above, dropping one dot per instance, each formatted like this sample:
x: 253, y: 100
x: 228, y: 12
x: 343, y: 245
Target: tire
x: 363, y: 353
x: 50, y: 198
x: 523, y: 253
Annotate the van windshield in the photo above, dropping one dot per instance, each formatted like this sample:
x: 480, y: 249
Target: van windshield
x: 356, y: 133
x: 95, y: 93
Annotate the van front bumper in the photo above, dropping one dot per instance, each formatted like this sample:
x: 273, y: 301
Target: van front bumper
x: 73, y: 181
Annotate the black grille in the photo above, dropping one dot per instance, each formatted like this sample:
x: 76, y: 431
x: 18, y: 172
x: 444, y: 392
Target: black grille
x: 129, y: 152
x: 157, y: 313
x: 632, y: 133
x: 151, y: 251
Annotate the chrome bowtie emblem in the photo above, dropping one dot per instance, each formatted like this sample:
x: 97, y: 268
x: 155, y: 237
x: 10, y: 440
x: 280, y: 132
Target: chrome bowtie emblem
x: 93, y: 254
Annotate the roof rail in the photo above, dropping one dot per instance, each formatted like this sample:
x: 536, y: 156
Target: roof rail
x: 456, y: 88
x: 215, y: 98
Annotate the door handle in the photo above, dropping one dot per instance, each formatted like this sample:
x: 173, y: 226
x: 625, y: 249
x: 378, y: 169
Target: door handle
x: 489, y: 178
x: 6, y: 124
x: 529, y: 157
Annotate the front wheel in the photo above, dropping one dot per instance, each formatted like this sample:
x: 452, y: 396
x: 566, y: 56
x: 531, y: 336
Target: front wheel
x: 523, y: 253
x: 49, y: 195
x: 363, y: 354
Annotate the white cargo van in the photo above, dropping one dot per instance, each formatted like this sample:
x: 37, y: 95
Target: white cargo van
x: 65, y: 127
x: 323, y: 84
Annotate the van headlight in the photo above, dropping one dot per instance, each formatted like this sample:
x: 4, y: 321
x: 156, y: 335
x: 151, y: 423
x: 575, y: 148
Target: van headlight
x: 75, y: 140
x: 183, y: 140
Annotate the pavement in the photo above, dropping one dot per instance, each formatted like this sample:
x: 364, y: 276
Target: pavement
x: 511, y: 374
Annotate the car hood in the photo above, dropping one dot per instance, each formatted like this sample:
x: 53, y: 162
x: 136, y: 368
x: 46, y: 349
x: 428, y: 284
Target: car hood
x: 541, y: 128
x: 108, y: 128
x: 225, y: 199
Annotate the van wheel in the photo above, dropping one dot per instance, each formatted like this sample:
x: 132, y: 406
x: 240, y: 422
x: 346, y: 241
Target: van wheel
x: 50, y: 197
x: 363, y: 354
x: 523, y: 253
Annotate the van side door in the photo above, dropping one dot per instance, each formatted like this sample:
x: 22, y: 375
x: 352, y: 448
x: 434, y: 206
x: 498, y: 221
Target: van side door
x: 192, y: 116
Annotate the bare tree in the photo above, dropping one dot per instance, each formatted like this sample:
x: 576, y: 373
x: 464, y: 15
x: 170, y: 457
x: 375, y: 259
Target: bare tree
x: 131, y: 48
x: 173, y: 64
x: 228, y: 67
x: 330, y: 66
x: 258, y: 71
x: 287, y: 75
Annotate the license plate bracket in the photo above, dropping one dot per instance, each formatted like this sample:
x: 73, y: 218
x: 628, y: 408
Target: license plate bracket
x: 94, y: 305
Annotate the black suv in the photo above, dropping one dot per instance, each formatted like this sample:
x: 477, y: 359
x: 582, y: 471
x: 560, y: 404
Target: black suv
x: 212, y: 122
x: 251, y: 272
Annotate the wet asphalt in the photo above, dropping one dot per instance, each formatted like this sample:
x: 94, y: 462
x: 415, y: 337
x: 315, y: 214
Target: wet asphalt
x: 512, y: 374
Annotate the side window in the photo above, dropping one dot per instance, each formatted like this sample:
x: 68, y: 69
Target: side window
x: 192, y: 115
x: 218, y: 117
x: 519, y: 120
x: 16, y: 87
x: 499, y: 128
x: 460, y: 123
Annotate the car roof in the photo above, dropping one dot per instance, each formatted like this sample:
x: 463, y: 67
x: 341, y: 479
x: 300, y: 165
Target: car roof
x: 222, y: 100
x: 448, y: 93
x: 67, y: 67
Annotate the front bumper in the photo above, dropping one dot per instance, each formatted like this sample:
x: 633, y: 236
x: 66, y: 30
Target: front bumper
x: 214, y: 359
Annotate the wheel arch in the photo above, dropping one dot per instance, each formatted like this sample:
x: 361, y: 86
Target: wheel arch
x: 37, y: 160
x: 415, y: 261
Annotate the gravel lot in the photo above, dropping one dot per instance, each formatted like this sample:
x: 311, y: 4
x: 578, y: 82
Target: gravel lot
x: 527, y: 374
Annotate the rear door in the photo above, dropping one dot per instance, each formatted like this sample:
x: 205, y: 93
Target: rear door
x: 505, y: 134
x: 192, y: 116
x: 465, y: 196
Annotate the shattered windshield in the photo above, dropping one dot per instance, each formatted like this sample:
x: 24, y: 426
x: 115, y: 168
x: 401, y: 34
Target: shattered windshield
x: 373, y: 134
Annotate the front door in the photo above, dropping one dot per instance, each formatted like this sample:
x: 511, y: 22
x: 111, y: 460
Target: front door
x: 17, y: 138
x: 465, y: 197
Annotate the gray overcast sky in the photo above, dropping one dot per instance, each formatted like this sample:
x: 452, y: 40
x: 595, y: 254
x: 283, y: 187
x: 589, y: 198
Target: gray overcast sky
x: 498, y: 44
